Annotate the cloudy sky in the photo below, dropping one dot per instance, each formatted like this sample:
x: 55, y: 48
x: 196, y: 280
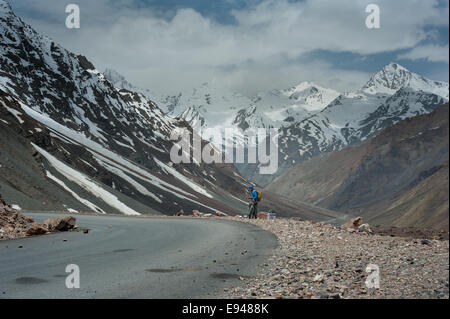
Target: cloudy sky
x: 249, y: 45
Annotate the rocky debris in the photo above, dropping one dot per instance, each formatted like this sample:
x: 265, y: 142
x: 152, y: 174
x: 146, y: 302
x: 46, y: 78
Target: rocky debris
x: 267, y: 215
x: 196, y: 213
x: 411, y: 232
x: 60, y: 224
x: 262, y: 215
x: 37, y: 229
x: 180, y: 213
x: 321, y: 261
x: 365, y: 228
x: 353, y: 224
x: 220, y: 214
x: 65, y: 223
x: 318, y: 278
x: 13, y: 224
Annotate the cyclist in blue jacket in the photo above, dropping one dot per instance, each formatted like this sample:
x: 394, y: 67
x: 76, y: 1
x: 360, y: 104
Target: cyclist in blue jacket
x: 254, y: 202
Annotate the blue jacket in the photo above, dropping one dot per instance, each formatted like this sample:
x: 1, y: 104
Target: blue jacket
x: 254, y: 194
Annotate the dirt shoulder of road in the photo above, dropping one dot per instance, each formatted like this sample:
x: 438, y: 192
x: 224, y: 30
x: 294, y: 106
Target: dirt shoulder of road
x: 317, y: 260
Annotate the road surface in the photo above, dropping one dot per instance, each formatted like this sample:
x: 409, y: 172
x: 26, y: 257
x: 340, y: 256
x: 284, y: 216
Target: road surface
x: 129, y: 257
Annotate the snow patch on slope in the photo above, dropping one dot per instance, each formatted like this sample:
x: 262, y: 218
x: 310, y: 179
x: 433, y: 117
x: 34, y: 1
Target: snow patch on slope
x: 86, y: 183
x: 75, y: 195
x: 184, y: 179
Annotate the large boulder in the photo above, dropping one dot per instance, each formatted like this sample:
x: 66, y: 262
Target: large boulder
x: 365, y: 228
x: 353, y: 224
x: 60, y: 224
x: 180, y: 213
x: 14, y: 224
x: 37, y: 229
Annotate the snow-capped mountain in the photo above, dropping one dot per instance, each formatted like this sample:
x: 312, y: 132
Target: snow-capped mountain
x: 394, y: 77
x: 43, y: 80
x: 279, y: 108
x: 120, y: 82
x: 207, y: 105
x: 213, y: 107
x: 108, y: 148
x: 312, y: 119
x: 389, y: 96
x: 310, y: 96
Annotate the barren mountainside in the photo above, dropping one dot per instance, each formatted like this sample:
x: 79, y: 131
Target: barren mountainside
x: 75, y: 139
x: 399, y: 177
x: 84, y: 144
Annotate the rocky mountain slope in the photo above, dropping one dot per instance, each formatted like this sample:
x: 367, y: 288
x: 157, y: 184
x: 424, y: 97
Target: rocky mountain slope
x: 389, y: 96
x: 208, y: 106
x: 71, y: 140
x: 399, y: 177
x: 216, y: 108
x: 105, y: 149
x: 311, y: 119
x: 120, y: 82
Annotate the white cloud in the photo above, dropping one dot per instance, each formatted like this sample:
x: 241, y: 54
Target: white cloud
x: 430, y: 52
x: 262, y: 50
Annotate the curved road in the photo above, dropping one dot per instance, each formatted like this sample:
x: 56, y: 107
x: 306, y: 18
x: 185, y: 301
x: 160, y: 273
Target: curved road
x: 129, y: 257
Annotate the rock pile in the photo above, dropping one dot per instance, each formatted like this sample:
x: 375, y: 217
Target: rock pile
x: 13, y: 224
x: 65, y: 223
x: 356, y: 224
x: 196, y: 213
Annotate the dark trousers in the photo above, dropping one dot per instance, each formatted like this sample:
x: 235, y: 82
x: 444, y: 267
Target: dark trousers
x: 253, y: 210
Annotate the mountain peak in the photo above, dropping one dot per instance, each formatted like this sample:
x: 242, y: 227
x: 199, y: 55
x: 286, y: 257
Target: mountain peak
x: 117, y: 79
x: 305, y: 84
x: 393, y: 77
x: 5, y: 8
x: 388, y: 80
x: 113, y: 74
x: 395, y: 67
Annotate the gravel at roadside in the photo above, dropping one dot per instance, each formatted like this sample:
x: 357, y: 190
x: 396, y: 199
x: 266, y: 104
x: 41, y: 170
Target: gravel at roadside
x: 316, y: 260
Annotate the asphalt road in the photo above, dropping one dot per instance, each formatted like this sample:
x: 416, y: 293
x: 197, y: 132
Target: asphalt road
x: 129, y: 257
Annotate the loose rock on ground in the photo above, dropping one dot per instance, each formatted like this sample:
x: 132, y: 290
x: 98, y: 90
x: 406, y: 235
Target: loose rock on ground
x: 14, y: 224
x: 317, y: 260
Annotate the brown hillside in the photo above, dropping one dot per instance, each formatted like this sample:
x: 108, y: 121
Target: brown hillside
x: 398, y: 178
